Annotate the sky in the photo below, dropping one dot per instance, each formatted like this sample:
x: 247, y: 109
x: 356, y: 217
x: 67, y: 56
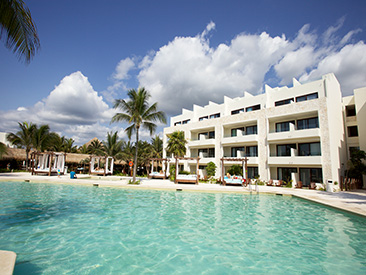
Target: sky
x: 183, y: 52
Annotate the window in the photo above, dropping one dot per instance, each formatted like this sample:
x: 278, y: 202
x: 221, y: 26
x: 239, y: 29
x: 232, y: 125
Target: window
x: 309, y: 149
x: 203, y: 118
x: 234, y: 112
x: 253, y: 108
x: 186, y: 121
x: 251, y: 130
x: 201, y: 167
x: 308, y: 175
x: 211, y: 135
x: 284, y: 173
x: 350, y: 110
x: 177, y: 123
x: 352, y: 131
x: 252, y: 172
x: 252, y: 151
x: 284, y: 102
x: 308, y: 123
x: 234, y: 132
x: 284, y: 126
x: 234, y: 151
x: 215, y: 115
x: 284, y: 150
x: 307, y: 97
x: 207, y: 153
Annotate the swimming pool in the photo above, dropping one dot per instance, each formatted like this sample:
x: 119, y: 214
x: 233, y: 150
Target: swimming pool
x: 58, y: 229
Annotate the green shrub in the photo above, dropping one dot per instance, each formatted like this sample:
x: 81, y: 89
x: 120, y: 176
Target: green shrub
x: 211, y: 169
x: 134, y: 182
x: 184, y: 173
x: 236, y: 170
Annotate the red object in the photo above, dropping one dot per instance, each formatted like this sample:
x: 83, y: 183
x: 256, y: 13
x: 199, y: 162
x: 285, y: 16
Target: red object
x: 130, y: 163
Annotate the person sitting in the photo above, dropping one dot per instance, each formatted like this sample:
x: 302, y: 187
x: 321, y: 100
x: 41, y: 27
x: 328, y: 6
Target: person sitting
x: 72, y: 175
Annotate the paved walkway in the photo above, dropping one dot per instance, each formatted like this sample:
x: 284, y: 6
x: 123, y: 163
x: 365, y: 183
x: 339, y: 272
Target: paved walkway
x: 354, y: 201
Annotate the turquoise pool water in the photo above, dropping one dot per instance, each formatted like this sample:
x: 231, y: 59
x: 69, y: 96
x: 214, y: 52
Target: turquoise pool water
x: 67, y: 229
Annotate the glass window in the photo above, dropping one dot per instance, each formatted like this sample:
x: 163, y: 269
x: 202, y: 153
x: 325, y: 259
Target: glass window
x: 211, y: 152
x: 284, y: 150
x: 308, y: 123
x: 252, y: 172
x: 308, y: 175
x: 352, y: 131
x: 234, y: 112
x: 283, y: 126
x: 203, y: 118
x: 309, y: 149
x: 211, y: 135
x: 234, y: 132
x: 351, y: 110
x: 253, y: 108
x: 251, y: 130
x: 177, y: 123
x: 215, y: 115
x: 307, y: 97
x: 186, y: 121
x: 284, y: 102
x: 234, y: 151
x: 284, y: 173
x: 252, y: 151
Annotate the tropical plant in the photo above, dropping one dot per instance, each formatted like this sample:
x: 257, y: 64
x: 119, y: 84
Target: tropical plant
x: 157, y: 147
x: 176, y: 144
x: 211, y: 169
x: 23, y: 138
x: 21, y: 34
x: 83, y: 149
x: 236, y: 170
x: 139, y: 114
x: 3, y: 149
x: 68, y: 145
x: 356, y: 166
x: 96, y: 148
x: 41, y: 138
x: 113, y: 146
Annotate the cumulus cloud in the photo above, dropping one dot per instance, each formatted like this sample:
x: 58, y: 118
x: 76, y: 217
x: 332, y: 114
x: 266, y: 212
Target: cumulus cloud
x: 72, y: 108
x: 188, y: 71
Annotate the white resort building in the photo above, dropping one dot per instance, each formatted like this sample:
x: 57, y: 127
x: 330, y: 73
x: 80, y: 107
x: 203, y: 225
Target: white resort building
x: 304, y: 133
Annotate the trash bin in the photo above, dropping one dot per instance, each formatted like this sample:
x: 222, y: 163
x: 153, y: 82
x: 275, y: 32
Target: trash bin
x: 329, y: 186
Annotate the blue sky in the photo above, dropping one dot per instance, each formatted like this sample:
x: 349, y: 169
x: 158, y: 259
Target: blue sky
x: 183, y: 52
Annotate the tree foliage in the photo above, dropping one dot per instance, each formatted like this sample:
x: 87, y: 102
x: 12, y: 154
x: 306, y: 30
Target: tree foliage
x: 137, y: 112
x: 176, y: 144
x: 18, y: 29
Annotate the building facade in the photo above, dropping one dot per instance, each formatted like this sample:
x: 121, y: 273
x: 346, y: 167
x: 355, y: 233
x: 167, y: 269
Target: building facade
x: 301, y: 133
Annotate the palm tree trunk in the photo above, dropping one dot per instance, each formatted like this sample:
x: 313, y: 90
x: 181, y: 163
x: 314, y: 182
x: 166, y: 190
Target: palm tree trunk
x: 26, y: 159
x: 136, y: 149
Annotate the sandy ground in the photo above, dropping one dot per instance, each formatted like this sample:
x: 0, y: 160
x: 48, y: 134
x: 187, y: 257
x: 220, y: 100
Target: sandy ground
x: 354, y: 201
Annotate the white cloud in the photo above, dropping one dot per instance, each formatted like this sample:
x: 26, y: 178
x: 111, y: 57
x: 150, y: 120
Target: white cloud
x: 188, y: 71
x: 73, y: 108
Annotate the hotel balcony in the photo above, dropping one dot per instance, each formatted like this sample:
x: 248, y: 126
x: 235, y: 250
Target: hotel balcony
x: 294, y: 159
x: 306, y: 134
x: 202, y: 141
x: 240, y: 138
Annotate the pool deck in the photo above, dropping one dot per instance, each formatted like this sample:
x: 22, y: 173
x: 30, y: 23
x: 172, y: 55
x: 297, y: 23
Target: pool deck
x: 352, y: 201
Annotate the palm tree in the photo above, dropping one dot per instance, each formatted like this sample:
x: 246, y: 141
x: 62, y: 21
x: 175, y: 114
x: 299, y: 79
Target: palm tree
x: 157, y: 147
x: 3, y: 149
x: 83, y: 149
x: 68, y: 145
x: 23, y: 138
x: 176, y: 144
x: 17, y: 23
x: 113, y: 146
x: 41, y: 138
x: 138, y: 114
x: 96, y: 148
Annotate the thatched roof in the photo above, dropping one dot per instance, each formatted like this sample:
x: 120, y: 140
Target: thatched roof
x: 19, y: 154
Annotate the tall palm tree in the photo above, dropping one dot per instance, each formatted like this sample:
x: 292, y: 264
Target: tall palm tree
x: 23, y: 138
x: 138, y: 113
x: 68, y: 145
x: 83, y: 149
x: 21, y: 34
x: 176, y: 144
x: 113, y: 146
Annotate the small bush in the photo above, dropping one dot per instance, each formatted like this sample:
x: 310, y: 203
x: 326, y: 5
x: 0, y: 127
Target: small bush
x: 184, y: 173
x: 134, y: 182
